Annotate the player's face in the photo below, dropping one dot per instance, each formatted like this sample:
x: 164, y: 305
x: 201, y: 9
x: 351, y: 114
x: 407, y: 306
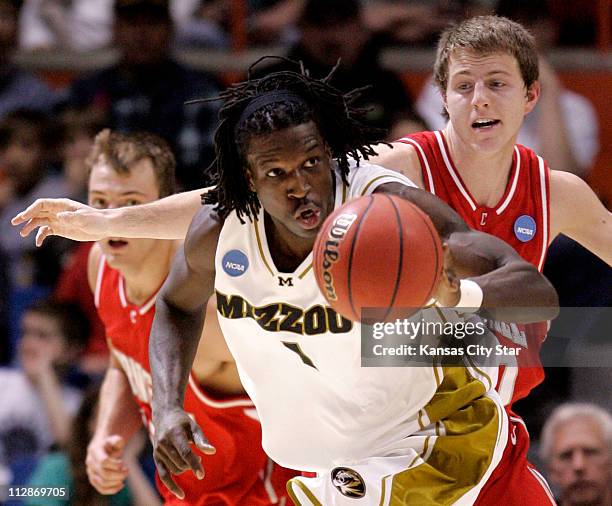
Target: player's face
x: 580, y: 463
x: 290, y: 170
x: 40, y: 333
x: 486, y: 99
x: 109, y: 189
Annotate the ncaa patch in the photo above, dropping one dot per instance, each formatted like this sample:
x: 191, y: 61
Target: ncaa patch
x: 235, y: 263
x: 525, y: 228
x: 348, y: 482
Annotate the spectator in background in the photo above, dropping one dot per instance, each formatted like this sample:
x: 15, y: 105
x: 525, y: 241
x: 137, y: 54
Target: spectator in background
x: 75, y: 25
x: 273, y: 21
x: 576, y: 447
x: 37, y: 400
x: 205, y: 26
x: 418, y: 23
x: 5, y: 342
x: 206, y: 23
x: 18, y: 88
x: 574, y: 142
x: 147, y: 89
x: 26, y: 143
x: 335, y: 30
x: 78, y: 129
x: 577, y: 21
x: 67, y: 468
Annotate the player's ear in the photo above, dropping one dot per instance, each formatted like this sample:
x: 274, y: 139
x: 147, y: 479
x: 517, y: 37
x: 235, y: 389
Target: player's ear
x: 328, y: 151
x: 532, y: 94
x: 447, y: 292
x: 444, y: 103
x: 249, y: 178
x: 449, y: 277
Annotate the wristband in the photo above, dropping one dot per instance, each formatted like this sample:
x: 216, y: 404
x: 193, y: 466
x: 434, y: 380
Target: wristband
x: 471, y: 296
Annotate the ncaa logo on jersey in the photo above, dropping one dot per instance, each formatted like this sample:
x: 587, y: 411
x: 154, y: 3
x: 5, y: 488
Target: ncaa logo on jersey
x: 235, y: 263
x: 348, y: 482
x: 525, y: 228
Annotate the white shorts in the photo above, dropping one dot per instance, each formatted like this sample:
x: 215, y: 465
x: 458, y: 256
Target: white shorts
x: 447, y: 464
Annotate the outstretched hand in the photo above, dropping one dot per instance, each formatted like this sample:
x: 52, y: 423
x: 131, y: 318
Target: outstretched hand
x: 62, y: 217
x: 174, y: 432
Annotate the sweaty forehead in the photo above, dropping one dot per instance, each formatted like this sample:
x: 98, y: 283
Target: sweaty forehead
x: 288, y: 142
x: 463, y: 61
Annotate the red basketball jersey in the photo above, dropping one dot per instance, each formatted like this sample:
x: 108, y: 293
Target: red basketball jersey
x: 521, y: 218
x: 239, y: 473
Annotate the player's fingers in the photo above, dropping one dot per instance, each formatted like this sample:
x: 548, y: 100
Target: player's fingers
x: 108, y: 468
x: 32, y: 225
x: 193, y: 461
x: 166, y: 479
x: 112, y: 469
x: 42, y: 234
x: 178, y: 454
x: 106, y: 488
x: 114, y: 445
x: 32, y: 210
x: 103, y: 484
x: 200, y: 440
x: 40, y: 207
x: 161, y: 454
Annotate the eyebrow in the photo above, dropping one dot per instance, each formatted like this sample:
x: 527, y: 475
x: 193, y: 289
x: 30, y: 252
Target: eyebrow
x: 488, y: 74
x: 271, y: 158
x: 122, y: 194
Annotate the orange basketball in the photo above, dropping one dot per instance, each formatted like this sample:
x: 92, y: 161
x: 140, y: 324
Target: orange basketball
x: 378, y: 251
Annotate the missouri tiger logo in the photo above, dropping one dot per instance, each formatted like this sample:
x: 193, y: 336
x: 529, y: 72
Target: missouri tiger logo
x: 348, y: 482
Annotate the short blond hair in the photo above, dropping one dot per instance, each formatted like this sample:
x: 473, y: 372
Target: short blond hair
x: 121, y: 151
x: 487, y: 35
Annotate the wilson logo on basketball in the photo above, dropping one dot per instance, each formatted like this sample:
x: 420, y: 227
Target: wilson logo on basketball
x: 348, y: 482
x: 337, y: 232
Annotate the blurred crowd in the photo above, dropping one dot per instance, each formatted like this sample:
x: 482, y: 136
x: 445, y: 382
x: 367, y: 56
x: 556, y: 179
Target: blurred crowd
x: 85, y: 25
x: 52, y: 346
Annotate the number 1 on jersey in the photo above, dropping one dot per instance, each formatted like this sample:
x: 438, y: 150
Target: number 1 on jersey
x: 295, y: 348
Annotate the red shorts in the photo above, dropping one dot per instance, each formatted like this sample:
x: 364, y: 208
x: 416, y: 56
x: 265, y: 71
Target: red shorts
x: 515, y: 482
x: 269, y: 490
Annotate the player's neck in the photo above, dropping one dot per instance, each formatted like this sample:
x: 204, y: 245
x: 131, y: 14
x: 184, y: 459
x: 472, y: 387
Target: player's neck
x: 485, y: 174
x: 287, y: 250
x: 145, y: 278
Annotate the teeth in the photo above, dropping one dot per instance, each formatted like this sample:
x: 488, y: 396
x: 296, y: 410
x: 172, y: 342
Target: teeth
x: 484, y: 121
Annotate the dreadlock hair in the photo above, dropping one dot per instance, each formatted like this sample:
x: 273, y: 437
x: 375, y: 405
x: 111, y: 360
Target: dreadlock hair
x: 338, y: 120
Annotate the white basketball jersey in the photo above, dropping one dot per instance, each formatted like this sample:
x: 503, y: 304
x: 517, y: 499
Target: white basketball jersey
x: 300, y: 361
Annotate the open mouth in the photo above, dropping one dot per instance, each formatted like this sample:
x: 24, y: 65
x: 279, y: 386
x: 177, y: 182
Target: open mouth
x: 308, y: 216
x: 485, y: 124
x: 117, y: 244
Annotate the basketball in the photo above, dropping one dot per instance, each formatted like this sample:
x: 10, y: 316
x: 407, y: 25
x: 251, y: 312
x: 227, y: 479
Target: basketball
x: 378, y: 251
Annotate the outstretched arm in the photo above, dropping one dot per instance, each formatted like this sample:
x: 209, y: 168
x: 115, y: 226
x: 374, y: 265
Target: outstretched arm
x: 513, y: 289
x: 577, y: 212
x: 178, y: 323
x: 167, y: 218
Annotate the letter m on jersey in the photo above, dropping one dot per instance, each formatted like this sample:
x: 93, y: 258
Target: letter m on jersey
x: 285, y: 281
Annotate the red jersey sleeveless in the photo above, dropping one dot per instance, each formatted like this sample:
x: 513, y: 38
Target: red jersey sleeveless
x: 239, y: 473
x: 521, y: 218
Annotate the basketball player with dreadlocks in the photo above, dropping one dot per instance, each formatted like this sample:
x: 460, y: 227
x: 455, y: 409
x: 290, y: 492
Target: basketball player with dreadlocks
x: 388, y: 435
